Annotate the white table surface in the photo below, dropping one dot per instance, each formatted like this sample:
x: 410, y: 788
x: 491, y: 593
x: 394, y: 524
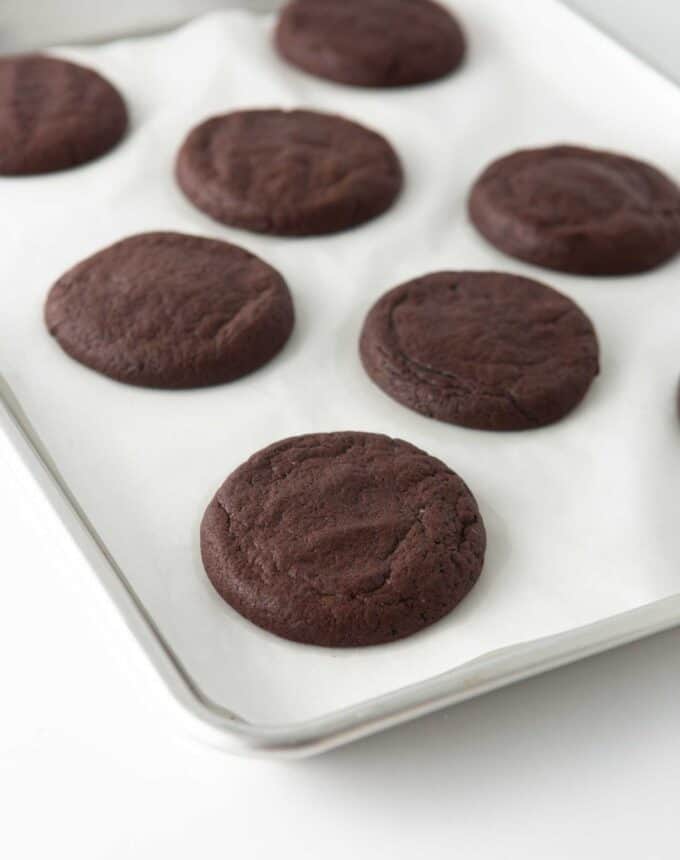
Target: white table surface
x: 580, y: 763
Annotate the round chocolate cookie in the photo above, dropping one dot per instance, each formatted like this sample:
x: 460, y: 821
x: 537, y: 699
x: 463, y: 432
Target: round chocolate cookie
x: 371, y: 43
x: 165, y: 310
x: 343, y: 539
x: 480, y: 349
x: 54, y: 115
x: 578, y: 210
x: 292, y: 173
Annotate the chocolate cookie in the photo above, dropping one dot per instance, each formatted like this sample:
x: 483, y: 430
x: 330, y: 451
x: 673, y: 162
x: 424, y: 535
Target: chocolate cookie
x: 343, y: 539
x: 54, y: 115
x: 371, y: 43
x: 293, y: 173
x: 480, y: 349
x: 578, y: 210
x: 165, y: 310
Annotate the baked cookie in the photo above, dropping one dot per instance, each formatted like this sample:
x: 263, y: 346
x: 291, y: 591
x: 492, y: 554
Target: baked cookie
x: 343, y: 539
x: 292, y: 173
x: 481, y: 349
x: 165, y: 310
x: 578, y: 210
x: 371, y: 43
x: 55, y: 114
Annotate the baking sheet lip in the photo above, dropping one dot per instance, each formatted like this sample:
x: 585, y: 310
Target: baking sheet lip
x: 623, y: 44
x: 482, y: 675
x: 222, y: 728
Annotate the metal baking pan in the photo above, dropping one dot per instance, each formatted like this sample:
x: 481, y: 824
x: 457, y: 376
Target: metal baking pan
x: 582, y: 544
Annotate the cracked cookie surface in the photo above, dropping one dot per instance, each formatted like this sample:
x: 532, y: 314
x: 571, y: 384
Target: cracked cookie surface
x: 578, y: 210
x: 485, y: 350
x: 167, y: 310
x: 371, y: 43
x: 54, y: 115
x: 343, y: 539
x: 290, y: 173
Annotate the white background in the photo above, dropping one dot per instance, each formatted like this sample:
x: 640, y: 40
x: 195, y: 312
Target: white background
x: 584, y: 762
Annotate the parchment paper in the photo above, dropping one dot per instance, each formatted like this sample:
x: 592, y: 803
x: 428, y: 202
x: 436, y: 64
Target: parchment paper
x: 582, y: 517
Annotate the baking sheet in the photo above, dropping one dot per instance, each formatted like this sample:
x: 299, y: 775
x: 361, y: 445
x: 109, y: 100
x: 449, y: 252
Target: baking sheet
x: 581, y: 516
